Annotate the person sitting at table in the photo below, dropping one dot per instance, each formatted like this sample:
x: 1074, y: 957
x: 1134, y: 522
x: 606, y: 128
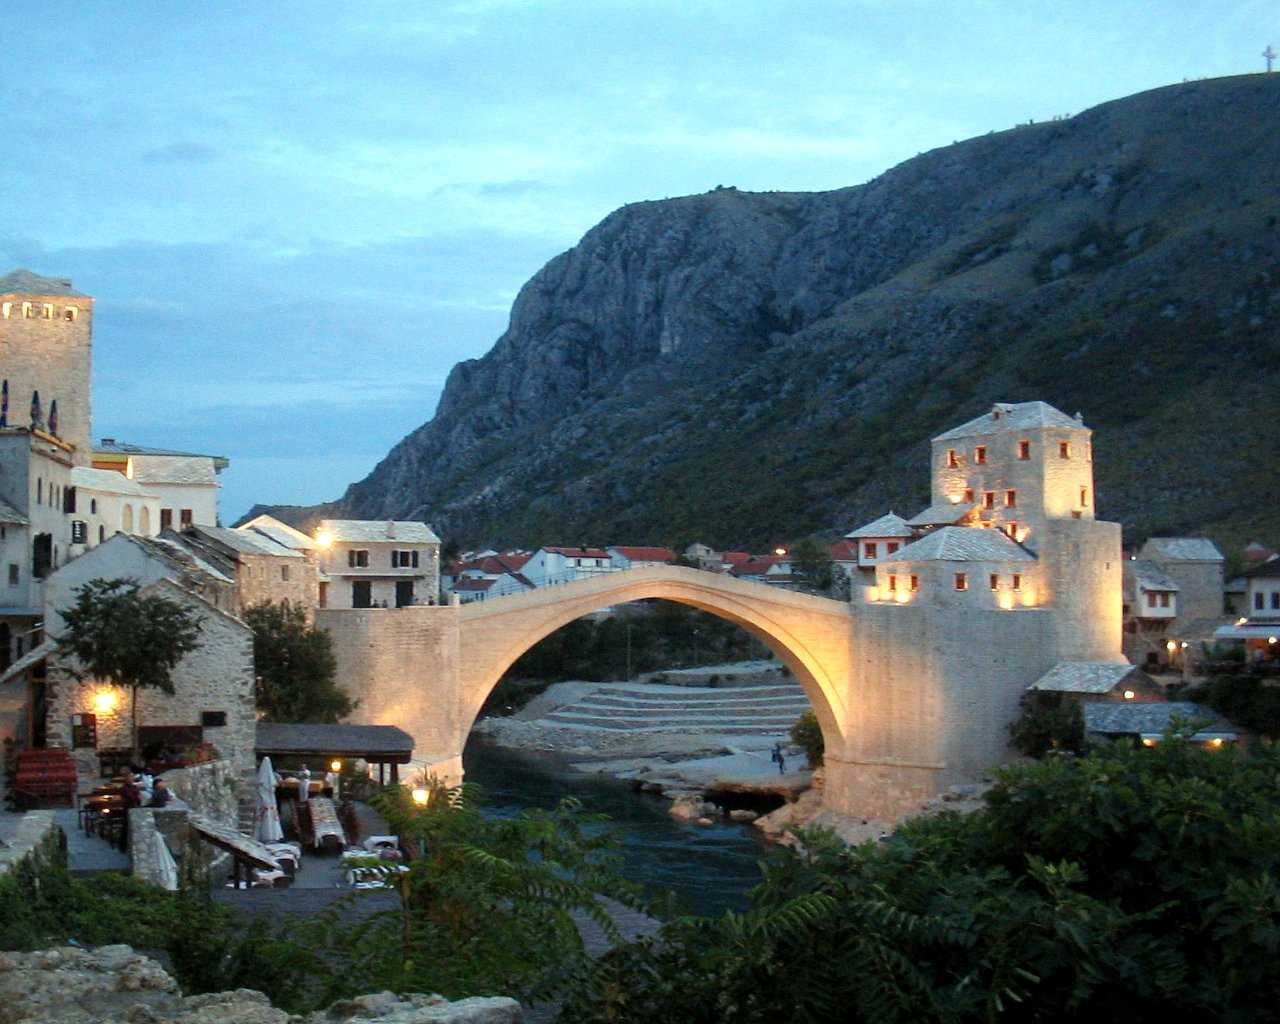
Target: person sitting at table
x: 160, y: 795
x: 130, y: 792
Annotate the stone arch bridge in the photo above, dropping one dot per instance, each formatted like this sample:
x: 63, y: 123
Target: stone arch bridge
x: 872, y: 674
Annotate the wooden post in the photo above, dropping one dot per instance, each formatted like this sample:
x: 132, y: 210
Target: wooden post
x: 395, y: 774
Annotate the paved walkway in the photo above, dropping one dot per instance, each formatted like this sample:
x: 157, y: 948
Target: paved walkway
x: 89, y: 855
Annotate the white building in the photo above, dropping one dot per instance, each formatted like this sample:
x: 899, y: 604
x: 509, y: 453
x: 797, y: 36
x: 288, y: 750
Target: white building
x: 551, y: 566
x: 880, y: 539
x: 626, y: 557
x: 108, y: 503
x: 377, y: 564
x: 185, y: 483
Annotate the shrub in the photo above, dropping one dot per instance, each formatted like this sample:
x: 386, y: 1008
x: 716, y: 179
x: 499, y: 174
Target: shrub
x: 1047, y: 721
x: 807, y: 734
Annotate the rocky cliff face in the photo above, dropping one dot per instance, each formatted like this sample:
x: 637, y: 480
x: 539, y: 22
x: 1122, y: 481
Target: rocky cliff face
x: 744, y: 368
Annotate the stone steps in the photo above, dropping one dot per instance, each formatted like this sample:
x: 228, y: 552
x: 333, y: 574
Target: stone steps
x: 689, y: 695
x: 681, y: 714
x: 757, y: 724
x: 596, y: 701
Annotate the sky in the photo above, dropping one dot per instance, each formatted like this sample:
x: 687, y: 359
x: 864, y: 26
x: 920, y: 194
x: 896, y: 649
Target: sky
x: 296, y: 217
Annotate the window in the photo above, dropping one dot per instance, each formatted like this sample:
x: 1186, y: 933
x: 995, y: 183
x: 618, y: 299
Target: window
x: 1010, y: 499
x: 27, y: 311
x: 891, y: 547
x: 93, y: 506
x: 1084, y: 497
x: 166, y: 519
x: 869, y: 550
x: 1064, y: 449
x: 980, y: 454
x: 1151, y: 599
x: 14, y: 578
x: 69, y: 313
x: 414, y: 558
x: 6, y: 310
x: 1011, y: 531
x: 962, y: 581
x: 39, y: 490
x: 1017, y: 581
x: 102, y: 534
x: 1259, y: 601
x: 79, y: 532
x: 69, y: 500
x: 284, y: 573
x: 1275, y: 599
x: 995, y: 581
x: 893, y: 583
x: 1164, y: 600
x: 213, y: 719
x: 46, y: 311
x: 968, y: 496
x: 915, y: 583
x: 185, y: 517
x: 988, y: 499
x: 1024, y: 450
x: 358, y: 559
x: 404, y: 559
x: 953, y: 460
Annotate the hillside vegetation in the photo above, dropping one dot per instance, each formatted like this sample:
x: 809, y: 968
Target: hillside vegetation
x: 743, y: 368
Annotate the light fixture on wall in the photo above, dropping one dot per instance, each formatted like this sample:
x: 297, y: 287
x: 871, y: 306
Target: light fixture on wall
x: 1129, y: 695
x: 1171, y: 646
x: 324, y: 539
x: 335, y: 766
x: 105, y: 701
x: 420, y: 797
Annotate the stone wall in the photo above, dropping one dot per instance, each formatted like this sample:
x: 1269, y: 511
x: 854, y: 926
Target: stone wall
x: 217, y: 676
x: 213, y: 789
x: 52, y: 356
x: 262, y: 578
x: 36, y: 831
x: 1200, y: 587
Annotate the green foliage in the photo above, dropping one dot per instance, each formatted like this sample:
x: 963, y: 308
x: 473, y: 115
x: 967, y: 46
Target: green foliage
x: 117, y: 634
x: 807, y: 734
x: 1047, y: 721
x: 1250, y: 702
x: 1131, y: 884
x: 811, y: 561
x: 295, y: 666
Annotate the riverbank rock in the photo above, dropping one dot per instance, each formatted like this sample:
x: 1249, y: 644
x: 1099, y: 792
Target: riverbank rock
x: 743, y: 815
x: 691, y: 808
x: 116, y: 985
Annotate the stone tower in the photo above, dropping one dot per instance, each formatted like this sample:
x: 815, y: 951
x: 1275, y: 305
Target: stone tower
x: 46, y: 331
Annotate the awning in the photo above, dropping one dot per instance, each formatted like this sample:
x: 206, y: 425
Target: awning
x: 32, y: 657
x: 385, y: 744
x: 1268, y: 631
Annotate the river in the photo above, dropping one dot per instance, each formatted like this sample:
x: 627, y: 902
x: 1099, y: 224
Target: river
x: 709, y: 869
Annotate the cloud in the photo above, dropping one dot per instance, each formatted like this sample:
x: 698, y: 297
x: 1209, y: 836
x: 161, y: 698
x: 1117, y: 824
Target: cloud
x: 182, y: 152
x: 510, y: 188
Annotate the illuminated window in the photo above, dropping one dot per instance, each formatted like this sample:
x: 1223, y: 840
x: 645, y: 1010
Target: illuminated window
x: 1084, y: 497
x: 6, y: 310
x: 46, y: 310
x: 1011, y: 530
x: 962, y: 581
x: 968, y: 495
x: 1064, y: 449
x: 953, y: 460
x: 1024, y: 450
x: 980, y: 454
x: 28, y: 312
x: 893, y: 583
x: 1017, y: 581
x: 69, y: 313
x: 915, y: 583
x: 995, y: 581
x: 869, y: 550
x: 988, y: 499
x: 892, y: 546
x: 1010, y: 499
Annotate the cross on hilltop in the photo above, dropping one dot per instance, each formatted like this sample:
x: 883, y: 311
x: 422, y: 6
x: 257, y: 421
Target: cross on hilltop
x: 1270, y: 54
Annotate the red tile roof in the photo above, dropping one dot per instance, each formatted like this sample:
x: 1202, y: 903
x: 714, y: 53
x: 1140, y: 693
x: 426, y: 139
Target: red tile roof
x: 473, y: 584
x: 579, y: 552
x: 735, y: 557
x: 643, y: 554
x: 844, y: 551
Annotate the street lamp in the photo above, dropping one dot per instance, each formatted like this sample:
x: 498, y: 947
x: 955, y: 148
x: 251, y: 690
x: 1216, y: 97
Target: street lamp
x: 420, y: 797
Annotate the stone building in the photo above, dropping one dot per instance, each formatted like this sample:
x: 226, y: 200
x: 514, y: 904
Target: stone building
x: 377, y: 564
x: 263, y: 570
x: 1086, y: 682
x: 214, y: 684
x: 1150, y: 609
x: 1196, y: 566
x: 108, y: 503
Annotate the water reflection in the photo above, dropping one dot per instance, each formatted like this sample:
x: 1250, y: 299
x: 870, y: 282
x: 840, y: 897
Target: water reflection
x: 709, y: 869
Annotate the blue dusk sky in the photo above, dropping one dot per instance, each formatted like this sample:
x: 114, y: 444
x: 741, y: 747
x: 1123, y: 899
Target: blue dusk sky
x: 296, y: 217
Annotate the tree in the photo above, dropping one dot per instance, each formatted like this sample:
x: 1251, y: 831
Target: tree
x: 1047, y: 721
x: 807, y: 734
x: 130, y: 639
x: 294, y: 666
x: 812, y: 562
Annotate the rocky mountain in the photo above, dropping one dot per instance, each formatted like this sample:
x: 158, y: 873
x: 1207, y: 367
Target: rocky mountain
x: 745, y: 368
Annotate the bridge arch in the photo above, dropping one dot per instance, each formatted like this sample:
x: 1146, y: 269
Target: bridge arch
x: 810, y: 635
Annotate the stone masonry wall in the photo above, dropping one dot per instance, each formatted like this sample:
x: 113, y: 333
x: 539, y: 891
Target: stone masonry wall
x: 53, y: 357
x: 269, y: 578
x: 217, y: 676
x: 35, y: 829
x: 387, y: 657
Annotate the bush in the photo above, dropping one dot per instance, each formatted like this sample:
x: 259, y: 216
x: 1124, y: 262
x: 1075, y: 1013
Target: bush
x: 807, y: 735
x: 1131, y: 884
x: 1246, y: 701
x: 1047, y: 721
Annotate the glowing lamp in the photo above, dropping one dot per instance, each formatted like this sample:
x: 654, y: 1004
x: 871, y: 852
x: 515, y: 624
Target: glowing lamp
x: 902, y: 597
x: 104, y: 702
x: 1129, y: 695
x: 420, y: 797
x: 1184, y: 645
x: 1148, y: 742
x: 873, y: 593
x: 1241, y: 621
x: 1272, y: 639
x: 324, y: 538
x: 1171, y: 647
x: 1005, y: 601
x: 335, y: 766
x: 779, y: 551
x: 1216, y: 741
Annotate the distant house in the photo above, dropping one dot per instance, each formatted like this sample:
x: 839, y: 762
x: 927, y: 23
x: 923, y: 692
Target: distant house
x: 550, y: 566
x: 263, y: 569
x: 639, y: 557
x: 1259, y: 624
x: 773, y: 570
x: 1084, y: 681
x: 1150, y: 608
x: 1195, y: 565
x: 374, y: 563
x: 703, y: 556
x: 470, y: 589
x: 1262, y: 589
x: 185, y: 483
x: 958, y: 567
x: 881, y: 539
